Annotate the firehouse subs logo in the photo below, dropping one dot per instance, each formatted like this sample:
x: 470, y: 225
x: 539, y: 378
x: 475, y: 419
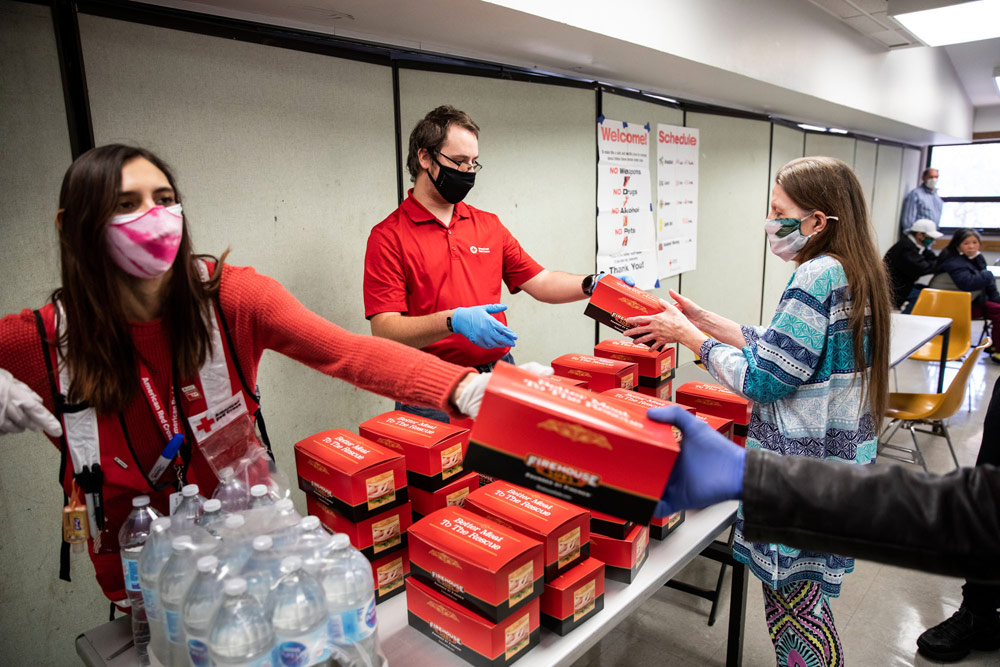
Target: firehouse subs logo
x: 391, y: 444
x: 579, y: 373
x: 632, y: 303
x: 576, y: 433
x: 445, y: 558
x: 441, y: 609
x: 562, y: 473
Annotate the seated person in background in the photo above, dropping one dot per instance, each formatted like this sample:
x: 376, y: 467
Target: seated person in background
x: 966, y: 267
x: 909, y: 259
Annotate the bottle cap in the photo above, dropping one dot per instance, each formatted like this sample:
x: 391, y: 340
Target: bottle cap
x: 235, y: 586
x: 258, y: 490
x: 235, y: 521
x: 213, y: 505
x: 309, y: 523
x: 290, y: 564
x: 182, y: 542
x: 189, y: 490
x: 284, y: 505
x: 207, y: 563
x: 262, y: 543
x: 159, y: 521
x: 140, y: 501
x: 226, y: 473
x: 340, y: 541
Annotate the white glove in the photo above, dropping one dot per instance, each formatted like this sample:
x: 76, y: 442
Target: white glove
x: 471, y: 396
x: 21, y: 408
x: 536, y: 368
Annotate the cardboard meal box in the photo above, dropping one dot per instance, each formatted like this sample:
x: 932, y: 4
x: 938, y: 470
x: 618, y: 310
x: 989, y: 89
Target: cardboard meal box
x: 613, y: 302
x: 572, y: 444
x: 641, y: 401
x: 660, y: 528
x: 610, y: 526
x: 723, y: 426
x: 654, y: 366
x: 476, y: 562
x: 453, y: 493
x: 468, y: 635
x: 433, y: 449
x: 350, y: 474
x: 664, y: 391
x: 574, y: 597
x: 389, y: 573
x: 599, y: 373
x: 562, y: 528
x: 375, y: 536
x: 716, y: 400
x: 569, y: 381
x: 622, y: 558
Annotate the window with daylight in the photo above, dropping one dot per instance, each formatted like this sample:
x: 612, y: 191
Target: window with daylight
x: 969, y: 184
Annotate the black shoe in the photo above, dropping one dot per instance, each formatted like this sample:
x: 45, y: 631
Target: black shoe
x: 952, y: 640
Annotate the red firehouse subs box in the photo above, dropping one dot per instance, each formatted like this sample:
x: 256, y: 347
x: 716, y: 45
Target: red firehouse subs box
x: 609, y: 526
x: 574, y: 597
x: 433, y: 449
x: 453, y: 493
x: 599, y: 373
x: 660, y: 528
x: 664, y: 391
x: 475, y: 561
x: 716, y: 400
x: 640, y: 401
x: 568, y: 381
x: 375, y: 536
x: 723, y: 426
x: 655, y: 367
x: 623, y: 558
x: 354, y: 476
x: 465, y: 633
x: 562, y: 528
x: 389, y: 573
x: 613, y: 302
x: 571, y: 444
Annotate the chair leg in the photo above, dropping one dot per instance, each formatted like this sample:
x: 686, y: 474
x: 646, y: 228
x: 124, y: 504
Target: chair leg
x: 892, y: 426
x: 895, y: 380
x: 916, y: 445
x: 947, y: 436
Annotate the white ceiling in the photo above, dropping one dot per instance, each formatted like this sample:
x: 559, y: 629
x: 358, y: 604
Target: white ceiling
x: 540, y: 35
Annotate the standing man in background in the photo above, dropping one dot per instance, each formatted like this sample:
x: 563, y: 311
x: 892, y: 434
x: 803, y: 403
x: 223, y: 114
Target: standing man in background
x: 909, y: 259
x: 922, y: 202
x: 433, y: 267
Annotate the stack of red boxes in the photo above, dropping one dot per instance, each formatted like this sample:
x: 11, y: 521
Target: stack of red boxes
x: 475, y: 587
x: 716, y: 400
x: 655, y: 368
x: 357, y: 487
x: 599, y: 374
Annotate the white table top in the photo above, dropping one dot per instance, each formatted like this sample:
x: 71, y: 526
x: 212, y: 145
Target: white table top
x: 995, y: 270
x: 910, y: 332
x: 404, y: 646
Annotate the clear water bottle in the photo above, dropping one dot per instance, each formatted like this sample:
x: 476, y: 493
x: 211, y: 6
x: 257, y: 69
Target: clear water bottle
x: 240, y: 633
x: 262, y: 569
x: 236, y: 544
x: 259, y: 496
x: 346, y: 576
x: 190, y: 507
x: 284, y: 522
x: 296, y: 608
x: 212, y: 516
x: 200, y: 604
x: 313, y: 539
x: 131, y: 539
x: 232, y: 491
x: 154, y: 555
x: 175, y: 579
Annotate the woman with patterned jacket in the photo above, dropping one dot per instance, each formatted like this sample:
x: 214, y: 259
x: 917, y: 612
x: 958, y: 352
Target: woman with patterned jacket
x: 817, y: 375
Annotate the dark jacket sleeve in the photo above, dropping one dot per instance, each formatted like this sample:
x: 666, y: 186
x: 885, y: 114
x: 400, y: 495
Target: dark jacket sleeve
x: 948, y: 524
x: 966, y: 274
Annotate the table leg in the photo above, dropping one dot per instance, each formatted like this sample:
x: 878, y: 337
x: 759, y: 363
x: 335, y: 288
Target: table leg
x: 737, y: 615
x: 945, y: 335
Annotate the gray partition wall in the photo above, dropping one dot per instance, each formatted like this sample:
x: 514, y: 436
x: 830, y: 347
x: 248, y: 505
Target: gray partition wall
x: 538, y: 147
x: 886, y: 199
x: 830, y: 145
x: 786, y: 145
x: 864, y: 168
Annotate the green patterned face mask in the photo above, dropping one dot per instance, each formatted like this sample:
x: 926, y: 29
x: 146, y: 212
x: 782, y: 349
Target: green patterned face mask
x: 785, y: 238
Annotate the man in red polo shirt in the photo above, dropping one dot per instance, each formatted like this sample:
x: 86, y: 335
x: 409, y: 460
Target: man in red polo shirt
x: 433, y: 267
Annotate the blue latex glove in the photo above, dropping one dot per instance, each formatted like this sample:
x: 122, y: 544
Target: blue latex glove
x: 481, y: 328
x: 627, y: 279
x: 708, y: 470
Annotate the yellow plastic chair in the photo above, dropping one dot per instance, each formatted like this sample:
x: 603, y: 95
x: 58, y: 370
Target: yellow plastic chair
x: 946, y: 303
x: 910, y: 410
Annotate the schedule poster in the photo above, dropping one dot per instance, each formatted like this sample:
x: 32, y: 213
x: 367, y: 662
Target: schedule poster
x: 676, y: 199
x: 626, y: 238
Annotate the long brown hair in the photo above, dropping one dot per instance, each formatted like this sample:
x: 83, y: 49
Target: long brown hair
x: 829, y: 185
x: 97, y: 339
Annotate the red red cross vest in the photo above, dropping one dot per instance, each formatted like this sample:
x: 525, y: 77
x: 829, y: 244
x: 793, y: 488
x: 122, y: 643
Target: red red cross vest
x: 217, y: 396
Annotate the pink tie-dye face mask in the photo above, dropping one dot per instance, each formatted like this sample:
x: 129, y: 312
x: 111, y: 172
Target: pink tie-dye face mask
x: 145, y: 244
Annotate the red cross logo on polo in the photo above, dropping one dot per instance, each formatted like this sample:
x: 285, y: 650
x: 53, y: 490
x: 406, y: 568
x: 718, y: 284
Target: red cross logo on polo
x: 205, y: 425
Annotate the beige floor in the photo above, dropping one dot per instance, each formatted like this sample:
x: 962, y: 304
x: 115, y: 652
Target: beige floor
x: 879, y: 615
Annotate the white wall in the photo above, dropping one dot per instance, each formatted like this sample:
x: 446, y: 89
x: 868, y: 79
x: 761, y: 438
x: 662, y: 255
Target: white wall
x: 987, y: 119
x: 786, y: 145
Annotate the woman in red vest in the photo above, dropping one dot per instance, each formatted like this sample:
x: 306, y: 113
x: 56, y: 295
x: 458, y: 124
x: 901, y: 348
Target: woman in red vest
x: 146, y: 340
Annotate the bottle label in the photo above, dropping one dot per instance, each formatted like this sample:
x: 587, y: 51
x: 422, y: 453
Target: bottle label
x: 198, y: 652
x: 130, y: 569
x: 152, y: 601
x: 175, y: 632
x: 354, y: 625
x: 311, y: 649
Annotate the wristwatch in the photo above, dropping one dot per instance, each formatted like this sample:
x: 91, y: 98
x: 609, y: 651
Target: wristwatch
x: 589, y: 283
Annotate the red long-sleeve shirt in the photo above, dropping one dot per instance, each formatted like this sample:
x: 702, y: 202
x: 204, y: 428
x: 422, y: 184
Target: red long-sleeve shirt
x: 262, y: 315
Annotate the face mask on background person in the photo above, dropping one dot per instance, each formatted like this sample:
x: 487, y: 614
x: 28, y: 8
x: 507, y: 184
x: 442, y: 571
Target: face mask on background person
x: 453, y: 184
x: 785, y: 238
x: 145, y: 244
x: 931, y: 183
x: 928, y: 241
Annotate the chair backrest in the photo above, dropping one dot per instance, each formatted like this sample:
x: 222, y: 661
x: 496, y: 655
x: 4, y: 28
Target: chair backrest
x: 944, y: 281
x: 954, y: 395
x: 954, y: 304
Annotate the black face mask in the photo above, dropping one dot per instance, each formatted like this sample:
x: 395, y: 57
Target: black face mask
x: 453, y: 184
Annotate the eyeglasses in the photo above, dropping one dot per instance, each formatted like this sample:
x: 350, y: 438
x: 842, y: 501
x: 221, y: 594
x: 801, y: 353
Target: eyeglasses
x: 463, y: 166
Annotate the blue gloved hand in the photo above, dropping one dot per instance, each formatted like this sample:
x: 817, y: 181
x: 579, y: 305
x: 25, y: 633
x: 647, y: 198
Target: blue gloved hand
x: 708, y: 470
x: 625, y: 278
x: 481, y: 328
